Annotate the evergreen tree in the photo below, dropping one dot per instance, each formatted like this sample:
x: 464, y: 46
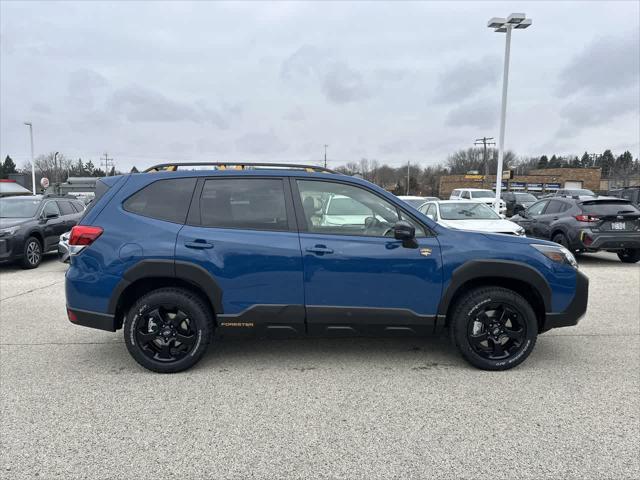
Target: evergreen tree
x: 134, y: 170
x: 543, y: 162
x: 89, y: 168
x: 607, y: 162
x: 575, y: 162
x: 8, y: 167
x: 554, y: 162
x: 585, y: 161
x: 624, y: 163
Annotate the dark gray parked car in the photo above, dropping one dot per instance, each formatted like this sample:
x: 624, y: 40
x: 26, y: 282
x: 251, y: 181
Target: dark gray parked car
x: 30, y: 226
x: 586, y: 224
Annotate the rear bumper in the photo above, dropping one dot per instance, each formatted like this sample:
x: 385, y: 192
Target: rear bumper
x: 576, y: 309
x: 101, y: 321
x: 591, y: 240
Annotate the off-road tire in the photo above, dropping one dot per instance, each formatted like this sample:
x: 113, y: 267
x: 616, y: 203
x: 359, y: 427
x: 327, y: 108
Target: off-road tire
x: 188, y: 302
x: 464, y: 314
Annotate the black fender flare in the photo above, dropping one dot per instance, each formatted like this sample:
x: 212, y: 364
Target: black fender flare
x: 505, y: 269
x: 157, y: 268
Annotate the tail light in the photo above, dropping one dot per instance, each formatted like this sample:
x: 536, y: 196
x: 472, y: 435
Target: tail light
x: 587, y: 218
x: 82, y: 236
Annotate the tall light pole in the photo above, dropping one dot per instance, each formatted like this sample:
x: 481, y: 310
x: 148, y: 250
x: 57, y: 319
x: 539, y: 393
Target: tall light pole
x: 325, y: 155
x: 33, y: 168
x: 505, y: 25
x: 55, y: 166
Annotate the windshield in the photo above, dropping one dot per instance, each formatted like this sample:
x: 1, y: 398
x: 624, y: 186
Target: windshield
x: 18, y: 207
x: 347, y: 206
x: 525, y: 197
x: 482, y: 194
x: 467, y: 211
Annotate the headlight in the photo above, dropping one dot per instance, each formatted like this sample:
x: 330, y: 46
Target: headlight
x: 9, y: 232
x: 557, y: 253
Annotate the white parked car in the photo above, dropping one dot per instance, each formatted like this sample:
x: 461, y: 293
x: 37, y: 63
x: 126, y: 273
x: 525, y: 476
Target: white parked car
x: 415, y: 201
x: 469, y: 215
x: 487, y: 197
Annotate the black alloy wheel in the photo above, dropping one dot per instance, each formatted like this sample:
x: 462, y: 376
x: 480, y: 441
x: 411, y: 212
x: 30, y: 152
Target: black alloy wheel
x: 561, y: 239
x: 494, y: 328
x: 497, y: 331
x: 32, y: 253
x: 166, y: 333
x: 168, y: 330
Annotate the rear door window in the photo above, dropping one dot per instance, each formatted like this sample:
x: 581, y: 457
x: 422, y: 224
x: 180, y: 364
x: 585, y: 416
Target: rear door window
x: 164, y: 200
x: 66, y: 208
x: 555, y: 206
x: 244, y: 203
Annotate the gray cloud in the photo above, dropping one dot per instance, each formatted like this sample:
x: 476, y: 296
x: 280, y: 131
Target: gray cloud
x: 339, y: 82
x: 260, y: 143
x: 343, y: 84
x: 466, y: 79
x: 39, y: 107
x: 139, y: 104
x: 84, y: 85
x: 478, y: 113
x: 396, y: 146
x: 606, y: 64
x: 295, y: 115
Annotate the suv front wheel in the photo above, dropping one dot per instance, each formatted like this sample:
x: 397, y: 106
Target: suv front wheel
x: 168, y: 330
x: 493, y: 328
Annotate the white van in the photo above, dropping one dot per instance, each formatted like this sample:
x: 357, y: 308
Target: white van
x: 479, y: 195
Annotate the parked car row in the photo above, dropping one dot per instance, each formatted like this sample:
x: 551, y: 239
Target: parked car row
x: 31, y: 226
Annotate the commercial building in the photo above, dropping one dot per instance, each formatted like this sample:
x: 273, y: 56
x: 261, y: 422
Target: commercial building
x: 537, y: 181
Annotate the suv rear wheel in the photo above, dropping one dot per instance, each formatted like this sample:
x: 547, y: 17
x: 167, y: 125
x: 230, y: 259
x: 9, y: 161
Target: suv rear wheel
x: 629, y: 255
x: 493, y: 328
x: 168, y: 330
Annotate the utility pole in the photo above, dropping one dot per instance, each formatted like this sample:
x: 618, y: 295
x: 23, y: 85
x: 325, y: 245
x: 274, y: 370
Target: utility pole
x: 408, y: 163
x: 108, y: 162
x: 485, y: 141
x: 325, y: 155
x: 33, y: 167
x: 55, y: 168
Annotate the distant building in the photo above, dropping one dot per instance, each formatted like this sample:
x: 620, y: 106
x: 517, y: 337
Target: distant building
x: 11, y: 188
x: 538, y: 181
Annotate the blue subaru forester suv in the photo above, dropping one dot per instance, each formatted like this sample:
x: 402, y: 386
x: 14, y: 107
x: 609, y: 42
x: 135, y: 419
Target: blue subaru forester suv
x: 185, y: 251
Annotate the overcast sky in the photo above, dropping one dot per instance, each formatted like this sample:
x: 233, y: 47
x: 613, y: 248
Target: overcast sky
x: 150, y: 82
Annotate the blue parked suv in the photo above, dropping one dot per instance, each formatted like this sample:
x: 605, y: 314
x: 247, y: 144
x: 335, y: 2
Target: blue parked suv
x: 176, y: 254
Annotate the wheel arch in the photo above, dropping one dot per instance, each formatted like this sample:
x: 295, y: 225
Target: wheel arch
x: 148, y: 275
x: 37, y: 234
x: 516, y: 276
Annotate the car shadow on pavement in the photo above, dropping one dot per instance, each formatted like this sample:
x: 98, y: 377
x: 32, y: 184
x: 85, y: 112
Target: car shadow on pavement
x: 47, y: 259
x: 294, y: 354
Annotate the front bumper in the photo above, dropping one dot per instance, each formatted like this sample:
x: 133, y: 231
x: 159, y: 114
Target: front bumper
x: 576, y: 309
x: 9, y: 249
x: 591, y: 240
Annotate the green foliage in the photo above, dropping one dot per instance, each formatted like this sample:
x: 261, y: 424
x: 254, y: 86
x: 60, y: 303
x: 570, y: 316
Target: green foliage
x: 7, y: 167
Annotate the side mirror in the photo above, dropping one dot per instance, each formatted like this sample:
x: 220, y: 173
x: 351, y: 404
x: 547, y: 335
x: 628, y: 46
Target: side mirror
x: 49, y: 216
x: 524, y: 213
x: 502, y: 216
x: 403, y: 230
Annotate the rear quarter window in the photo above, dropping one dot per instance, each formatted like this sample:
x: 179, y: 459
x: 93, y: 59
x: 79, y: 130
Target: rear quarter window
x: 166, y: 200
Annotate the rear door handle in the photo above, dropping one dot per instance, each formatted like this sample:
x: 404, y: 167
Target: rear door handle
x: 200, y: 244
x: 319, y: 249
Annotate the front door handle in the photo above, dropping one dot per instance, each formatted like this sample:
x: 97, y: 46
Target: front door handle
x: 200, y: 244
x: 319, y: 250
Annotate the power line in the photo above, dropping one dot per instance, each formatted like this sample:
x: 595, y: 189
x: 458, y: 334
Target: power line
x: 108, y: 162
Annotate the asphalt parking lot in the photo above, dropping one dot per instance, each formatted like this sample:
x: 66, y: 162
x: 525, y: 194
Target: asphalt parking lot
x: 74, y: 404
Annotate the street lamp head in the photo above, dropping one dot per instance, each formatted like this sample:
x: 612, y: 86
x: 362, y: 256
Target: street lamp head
x: 496, y: 22
x: 516, y: 18
x: 28, y: 124
x: 524, y: 24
